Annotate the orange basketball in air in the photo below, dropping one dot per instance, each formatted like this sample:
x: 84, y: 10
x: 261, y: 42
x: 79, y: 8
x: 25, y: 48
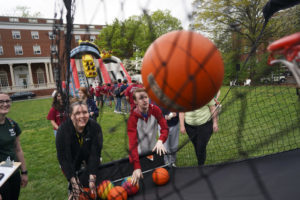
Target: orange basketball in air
x: 182, y: 70
x: 117, y: 193
x: 160, y: 176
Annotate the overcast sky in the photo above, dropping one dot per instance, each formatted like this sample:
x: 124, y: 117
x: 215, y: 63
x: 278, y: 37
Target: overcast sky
x: 102, y: 11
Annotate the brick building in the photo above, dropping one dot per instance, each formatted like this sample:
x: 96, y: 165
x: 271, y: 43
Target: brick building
x: 26, y: 45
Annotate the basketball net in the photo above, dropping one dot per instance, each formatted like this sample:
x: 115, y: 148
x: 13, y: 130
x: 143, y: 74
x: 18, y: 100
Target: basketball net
x: 289, y: 46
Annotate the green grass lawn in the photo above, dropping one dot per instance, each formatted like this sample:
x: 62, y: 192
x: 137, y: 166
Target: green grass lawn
x: 253, y: 120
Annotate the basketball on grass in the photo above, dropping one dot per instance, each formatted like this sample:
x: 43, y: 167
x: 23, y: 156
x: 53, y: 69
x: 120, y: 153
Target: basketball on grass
x: 130, y: 189
x: 182, y: 70
x: 117, y: 193
x: 160, y: 176
x: 103, y: 189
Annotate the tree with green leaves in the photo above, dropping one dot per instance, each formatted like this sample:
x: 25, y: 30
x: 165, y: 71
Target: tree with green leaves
x: 132, y: 37
x: 234, y: 26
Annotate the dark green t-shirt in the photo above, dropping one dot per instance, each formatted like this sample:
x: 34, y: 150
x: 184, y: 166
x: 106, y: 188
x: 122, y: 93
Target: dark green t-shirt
x: 8, y: 133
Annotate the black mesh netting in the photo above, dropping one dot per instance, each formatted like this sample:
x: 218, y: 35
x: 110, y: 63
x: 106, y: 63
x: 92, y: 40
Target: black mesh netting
x: 254, y: 120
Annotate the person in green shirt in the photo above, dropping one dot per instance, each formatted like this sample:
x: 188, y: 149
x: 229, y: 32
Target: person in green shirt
x: 10, y: 147
x: 199, y: 125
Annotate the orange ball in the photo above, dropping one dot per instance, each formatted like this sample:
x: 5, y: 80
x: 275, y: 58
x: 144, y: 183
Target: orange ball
x: 103, y: 188
x: 182, y: 71
x: 160, y: 176
x: 86, y: 195
x: 117, y: 193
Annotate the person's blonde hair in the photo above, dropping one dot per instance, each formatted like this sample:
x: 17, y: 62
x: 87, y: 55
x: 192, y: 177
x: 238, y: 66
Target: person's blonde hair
x: 74, y: 102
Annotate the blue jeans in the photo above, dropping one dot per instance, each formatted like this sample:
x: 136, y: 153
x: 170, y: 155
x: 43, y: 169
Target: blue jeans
x: 55, y: 131
x: 126, y: 105
x: 118, y: 104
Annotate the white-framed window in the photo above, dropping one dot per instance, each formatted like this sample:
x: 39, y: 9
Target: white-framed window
x: 91, y: 26
x: 18, y: 50
x: 77, y: 38
x: 1, y: 50
x: 76, y: 26
x: 35, y: 35
x: 40, y: 76
x: 32, y: 20
x: 53, y: 49
x: 16, y: 34
x: 51, y: 35
x: 3, y: 79
x: 36, y: 49
x: 50, y: 21
x: 92, y: 38
x: 13, y: 19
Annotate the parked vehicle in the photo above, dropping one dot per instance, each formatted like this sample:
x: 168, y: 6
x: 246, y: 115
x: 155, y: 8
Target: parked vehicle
x: 274, y: 79
x: 22, y: 95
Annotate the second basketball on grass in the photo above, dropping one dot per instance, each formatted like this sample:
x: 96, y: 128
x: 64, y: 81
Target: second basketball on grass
x: 182, y: 71
x: 160, y: 176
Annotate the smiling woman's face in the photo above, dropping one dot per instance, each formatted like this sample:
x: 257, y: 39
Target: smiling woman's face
x: 80, y: 116
x: 5, y: 104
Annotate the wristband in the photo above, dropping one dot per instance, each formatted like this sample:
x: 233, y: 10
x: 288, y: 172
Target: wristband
x: 24, y: 172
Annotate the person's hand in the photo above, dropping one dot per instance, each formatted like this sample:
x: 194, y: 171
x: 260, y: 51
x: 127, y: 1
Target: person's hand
x: 91, y: 113
x: 215, y: 127
x: 170, y: 116
x: 74, y: 194
x: 182, y: 129
x: 92, y: 185
x: 136, y: 176
x: 159, y: 148
x: 24, y: 180
x: 174, y: 114
x: 0, y: 197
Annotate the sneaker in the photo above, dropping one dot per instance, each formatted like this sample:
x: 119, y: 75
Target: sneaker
x: 115, y: 111
x: 173, y: 165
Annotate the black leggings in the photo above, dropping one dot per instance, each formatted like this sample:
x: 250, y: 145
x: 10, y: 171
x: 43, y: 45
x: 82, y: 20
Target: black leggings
x: 200, y: 135
x: 11, y: 188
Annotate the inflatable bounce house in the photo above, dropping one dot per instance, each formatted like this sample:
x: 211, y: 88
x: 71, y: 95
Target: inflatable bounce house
x: 90, y: 66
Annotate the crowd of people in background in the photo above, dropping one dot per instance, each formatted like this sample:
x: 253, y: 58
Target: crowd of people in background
x: 118, y: 93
